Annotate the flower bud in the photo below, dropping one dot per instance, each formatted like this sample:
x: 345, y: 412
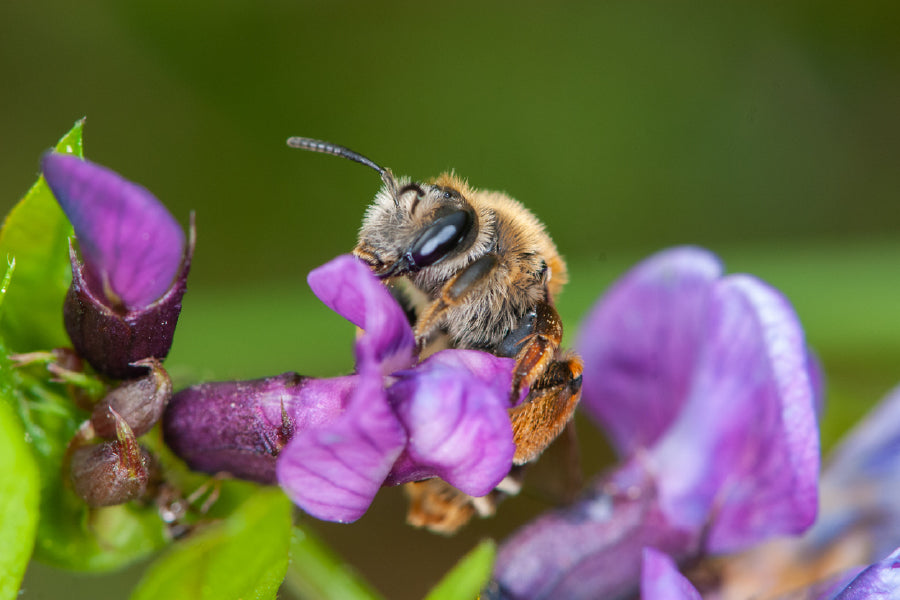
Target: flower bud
x: 126, y: 290
x: 240, y: 427
x: 140, y: 402
x: 110, y: 472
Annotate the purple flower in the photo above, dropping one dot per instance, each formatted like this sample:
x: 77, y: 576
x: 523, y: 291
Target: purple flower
x: 126, y: 291
x: 704, y: 383
x: 332, y: 443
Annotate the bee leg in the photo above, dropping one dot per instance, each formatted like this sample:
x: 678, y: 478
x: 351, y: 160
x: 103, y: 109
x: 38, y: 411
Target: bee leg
x: 437, y: 506
x: 547, y: 410
x: 368, y: 256
x: 458, y: 287
x: 441, y: 508
x: 554, y: 384
x: 533, y: 344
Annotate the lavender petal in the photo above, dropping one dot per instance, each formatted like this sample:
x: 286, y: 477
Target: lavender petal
x: 742, y: 458
x: 640, y: 342
x: 454, y: 406
x: 334, y: 471
x: 348, y: 287
x: 132, y: 246
x: 660, y: 579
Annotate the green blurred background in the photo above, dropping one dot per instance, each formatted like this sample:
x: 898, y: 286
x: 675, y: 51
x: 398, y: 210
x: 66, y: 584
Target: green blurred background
x: 769, y: 133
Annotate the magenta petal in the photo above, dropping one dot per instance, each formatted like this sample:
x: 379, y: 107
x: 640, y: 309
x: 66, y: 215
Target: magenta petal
x: 333, y: 472
x: 660, y: 579
x: 743, y: 456
x: 348, y: 287
x: 454, y: 407
x: 239, y: 427
x: 127, y: 237
x: 640, y: 342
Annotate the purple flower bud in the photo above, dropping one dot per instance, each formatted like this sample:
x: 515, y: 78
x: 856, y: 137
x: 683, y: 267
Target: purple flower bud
x: 140, y: 402
x: 125, y: 296
x: 110, y: 472
x: 240, y: 427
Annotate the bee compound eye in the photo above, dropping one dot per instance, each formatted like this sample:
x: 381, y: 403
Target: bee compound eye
x: 440, y: 238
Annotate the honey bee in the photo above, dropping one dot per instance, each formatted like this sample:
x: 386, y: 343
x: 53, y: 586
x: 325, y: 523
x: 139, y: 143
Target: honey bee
x: 481, y: 273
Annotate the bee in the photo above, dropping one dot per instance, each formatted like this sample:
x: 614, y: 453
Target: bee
x: 481, y: 273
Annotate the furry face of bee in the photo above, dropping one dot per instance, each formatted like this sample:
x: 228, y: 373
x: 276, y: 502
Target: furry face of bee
x: 483, y: 274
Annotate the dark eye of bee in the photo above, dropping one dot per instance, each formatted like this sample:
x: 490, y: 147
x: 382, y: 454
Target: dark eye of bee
x: 448, y: 193
x: 440, y: 238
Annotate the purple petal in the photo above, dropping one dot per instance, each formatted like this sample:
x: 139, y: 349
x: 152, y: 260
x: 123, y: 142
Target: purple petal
x: 454, y: 407
x: 130, y: 243
x: 661, y: 580
x: 861, y: 483
x: 348, y: 287
x: 239, y: 427
x: 112, y: 340
x: 640, y: 342
x: 817, y: 381
x: 742, y: 458
x: 333, y: 472
x: 880, y: 581
x: 592, y: 549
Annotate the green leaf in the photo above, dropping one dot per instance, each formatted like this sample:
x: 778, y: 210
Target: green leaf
x: 18, y: 487
x: 71, y: 535
x: 244, y: 556
x: 466, y: 580
x: 317, y: 573
x: 35, y: 234
x: 74, y: 537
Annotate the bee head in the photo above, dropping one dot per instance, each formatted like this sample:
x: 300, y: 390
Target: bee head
x: 410, y: 226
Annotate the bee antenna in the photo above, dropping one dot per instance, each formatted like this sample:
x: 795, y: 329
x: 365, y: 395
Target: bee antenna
x: 304, y: 143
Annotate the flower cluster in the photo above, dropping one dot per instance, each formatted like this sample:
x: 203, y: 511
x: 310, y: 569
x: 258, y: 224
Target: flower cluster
x: 128, y: 278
